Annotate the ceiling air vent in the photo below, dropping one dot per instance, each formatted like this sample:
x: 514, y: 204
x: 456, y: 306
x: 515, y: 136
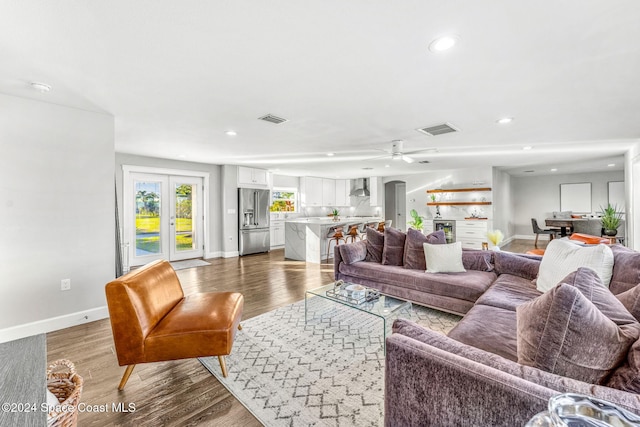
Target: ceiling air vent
x: 272, y: 119
x: 438, y: 129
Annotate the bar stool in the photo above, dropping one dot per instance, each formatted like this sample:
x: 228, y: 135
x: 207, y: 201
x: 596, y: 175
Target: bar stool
x: 353, y: 232
x: 383, y: 225
x: 335, y: 233
x: 363, y: 229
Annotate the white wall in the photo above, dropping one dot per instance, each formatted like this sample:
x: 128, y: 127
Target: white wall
x: 57, y: 215
x: 539, y: 196
x: 418, y: 184
x: 229, y: 188
x: 214, y: 224
x: 503, y: 206
x: 632, y: 178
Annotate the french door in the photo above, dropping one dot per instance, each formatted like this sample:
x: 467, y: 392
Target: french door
x: 164, y: 217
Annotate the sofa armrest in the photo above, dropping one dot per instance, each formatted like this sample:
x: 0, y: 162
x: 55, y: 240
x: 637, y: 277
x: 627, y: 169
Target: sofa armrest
x: 428, y: 386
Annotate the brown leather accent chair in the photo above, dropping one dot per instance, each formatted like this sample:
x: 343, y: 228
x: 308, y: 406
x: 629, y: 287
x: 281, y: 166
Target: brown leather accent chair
x: 152, y: 320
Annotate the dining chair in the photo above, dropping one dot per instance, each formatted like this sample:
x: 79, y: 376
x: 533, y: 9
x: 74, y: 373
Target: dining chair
x: 538, y: 231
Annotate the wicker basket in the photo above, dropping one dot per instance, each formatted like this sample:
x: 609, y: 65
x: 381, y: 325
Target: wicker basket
x: 66, y: 385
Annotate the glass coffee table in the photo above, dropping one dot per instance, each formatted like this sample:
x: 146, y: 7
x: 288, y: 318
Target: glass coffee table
x: 384, y: 307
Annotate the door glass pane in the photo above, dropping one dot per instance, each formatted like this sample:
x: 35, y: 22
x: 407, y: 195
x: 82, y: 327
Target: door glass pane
x: 185, y: 214
x: 147, y: 217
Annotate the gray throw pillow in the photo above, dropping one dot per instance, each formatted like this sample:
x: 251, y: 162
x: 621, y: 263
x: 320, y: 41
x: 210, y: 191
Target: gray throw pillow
x: 626, y: 269
x: 375, y: 244
x: 393, y: 250
x: 564, y: 333
x: 414, y: 251
x: 353, y: 252
x: 517, y: 265
x: 631, y: 300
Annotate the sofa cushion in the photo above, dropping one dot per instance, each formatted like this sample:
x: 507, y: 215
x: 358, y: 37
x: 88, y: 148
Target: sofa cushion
x: 563, y: 332
x: 535, y: 376
x: 626, y: 269
x: 517, y: 265
x: 375, y: 244
x: 473, y: 259
x: 631, y: 301
x: 562, y: 257
x: 508, y: 292
x: 444, y: 258
x: 414, y: 251
x: 464, y: 286
x: 353, y: 252
x: 627, y: 376
x: 492, y: 329
x: 393, y: 249
x: 587, y: 281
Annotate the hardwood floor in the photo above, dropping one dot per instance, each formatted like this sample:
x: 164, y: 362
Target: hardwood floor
x: 183, y: 392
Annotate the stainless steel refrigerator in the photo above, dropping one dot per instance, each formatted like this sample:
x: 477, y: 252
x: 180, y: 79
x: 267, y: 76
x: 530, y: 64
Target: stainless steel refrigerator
x: 253, y: 218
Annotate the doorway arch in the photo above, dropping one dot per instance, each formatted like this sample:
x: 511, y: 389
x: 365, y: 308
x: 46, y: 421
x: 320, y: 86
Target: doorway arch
x: 395, y: 204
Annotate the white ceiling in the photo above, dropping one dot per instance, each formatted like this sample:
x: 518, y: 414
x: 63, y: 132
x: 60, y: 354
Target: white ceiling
x: 350, y: 76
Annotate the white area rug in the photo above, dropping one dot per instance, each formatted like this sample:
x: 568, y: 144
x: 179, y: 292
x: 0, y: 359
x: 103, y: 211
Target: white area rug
x: 189, y: 263
x: 329, y: 372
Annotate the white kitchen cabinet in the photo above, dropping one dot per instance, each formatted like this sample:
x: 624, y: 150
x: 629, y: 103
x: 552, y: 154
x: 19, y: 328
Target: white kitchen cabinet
x: 276, y: 232
x: 471, y: 233
x: 255, y: 178
x: 311, y: 191
x: 328, y: 192
x: 375, y: 191
x: 343, y: 186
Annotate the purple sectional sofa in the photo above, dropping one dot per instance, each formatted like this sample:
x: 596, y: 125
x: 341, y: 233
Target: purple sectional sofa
x: 399, y: 270
x: 473, y: 377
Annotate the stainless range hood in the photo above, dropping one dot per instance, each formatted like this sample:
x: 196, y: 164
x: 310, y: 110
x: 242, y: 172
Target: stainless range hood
x: 361, y: 188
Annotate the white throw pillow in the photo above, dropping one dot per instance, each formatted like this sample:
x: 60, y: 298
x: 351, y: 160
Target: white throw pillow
x: 444, y: 258
x: 563, y: 257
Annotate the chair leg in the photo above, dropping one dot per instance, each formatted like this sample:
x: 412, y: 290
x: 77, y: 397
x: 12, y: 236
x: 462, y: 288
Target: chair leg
x: 239, y: 327
x: 535, y: 244
x: 223, y: 366
x: 125, y: 377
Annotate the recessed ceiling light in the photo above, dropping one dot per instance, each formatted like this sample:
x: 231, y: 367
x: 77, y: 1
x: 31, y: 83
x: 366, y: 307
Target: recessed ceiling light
x: 40, y: 87
x: 554, y: 170
x: 387, y: 166
x: 528, y: 147
x: 504, y: 120
x: 331, y: 154
x: 182, y: 156
x: 367, y: 169
x: 231, y: 133
x: 611, y: 165
x: 443, y: 43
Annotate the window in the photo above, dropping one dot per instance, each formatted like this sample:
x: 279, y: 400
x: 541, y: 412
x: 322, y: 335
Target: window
x: 284, y: 200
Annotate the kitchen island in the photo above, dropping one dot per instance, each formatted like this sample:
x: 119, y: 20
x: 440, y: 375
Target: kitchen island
x: 305, y: 239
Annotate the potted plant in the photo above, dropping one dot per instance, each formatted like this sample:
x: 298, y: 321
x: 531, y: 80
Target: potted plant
x: 610, y: 219
x: 496, y: 238
x: 335, y: 213
x: 417, y: 222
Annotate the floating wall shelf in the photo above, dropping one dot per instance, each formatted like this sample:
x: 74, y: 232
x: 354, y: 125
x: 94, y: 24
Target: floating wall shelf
x: 459, y: 190
x: 457, y: 203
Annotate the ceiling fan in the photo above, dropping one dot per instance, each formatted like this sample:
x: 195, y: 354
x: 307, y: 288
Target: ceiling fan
x: 397, y: 152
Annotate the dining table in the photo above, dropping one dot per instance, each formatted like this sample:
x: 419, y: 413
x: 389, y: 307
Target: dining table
x: 563, y: 223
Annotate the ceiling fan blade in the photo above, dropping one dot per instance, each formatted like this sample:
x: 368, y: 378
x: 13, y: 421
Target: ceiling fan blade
x: 408, y: 159
x: 425, y: 150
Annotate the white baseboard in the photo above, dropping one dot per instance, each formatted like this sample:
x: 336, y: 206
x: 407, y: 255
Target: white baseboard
x: 230, y: 254
x: 53, y: 324
x: 216, y: 254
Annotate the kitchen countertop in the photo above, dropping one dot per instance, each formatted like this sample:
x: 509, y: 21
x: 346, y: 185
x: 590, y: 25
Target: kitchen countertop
x: 329, y: 220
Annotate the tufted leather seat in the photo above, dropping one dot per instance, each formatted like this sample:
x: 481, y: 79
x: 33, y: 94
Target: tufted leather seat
x: 153, y: 321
